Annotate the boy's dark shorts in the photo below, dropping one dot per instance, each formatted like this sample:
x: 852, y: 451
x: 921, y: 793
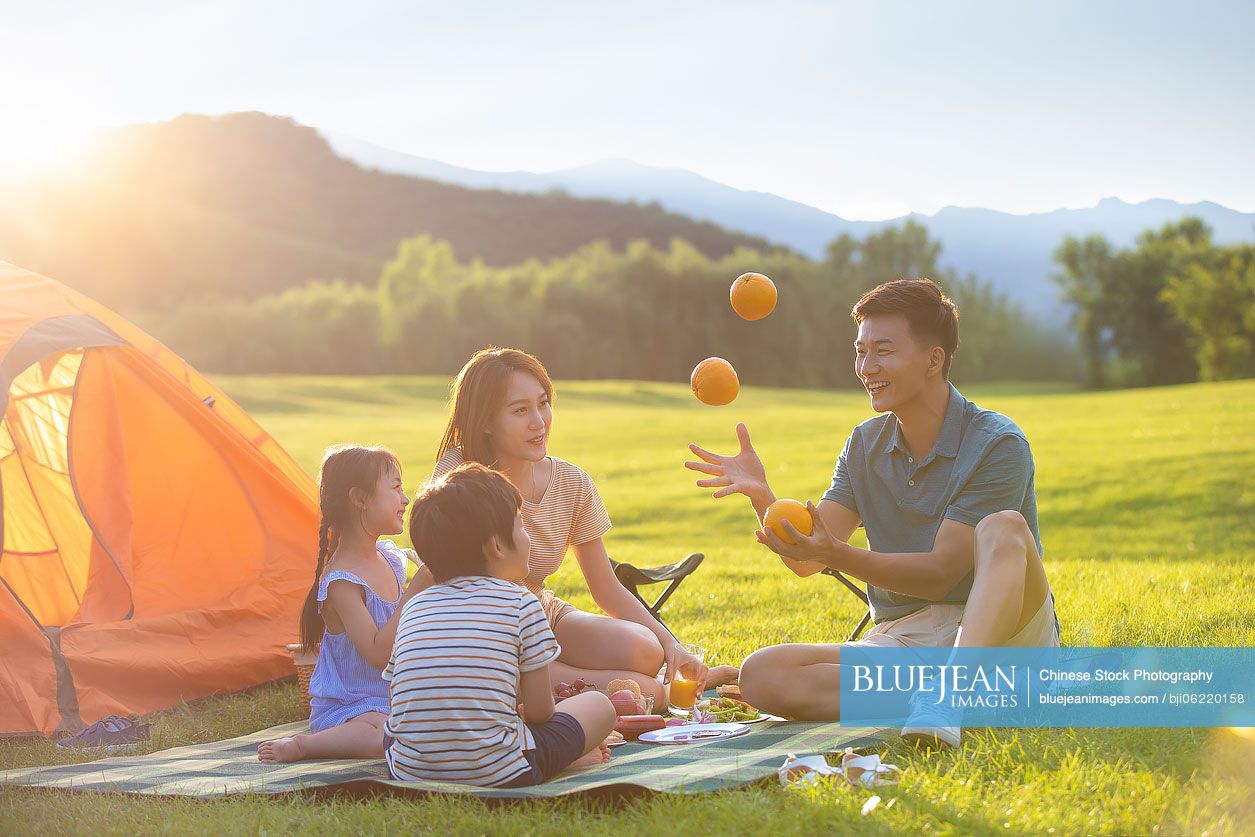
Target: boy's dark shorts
x: 559, y: 741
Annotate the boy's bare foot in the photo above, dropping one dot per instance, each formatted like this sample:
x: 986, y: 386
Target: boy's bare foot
x: 280, y: 751
x: 722, y: 676
x: 598, y: 755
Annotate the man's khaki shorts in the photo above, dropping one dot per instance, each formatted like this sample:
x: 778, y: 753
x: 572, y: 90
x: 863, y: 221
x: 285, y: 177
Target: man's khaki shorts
x: 937, y: 626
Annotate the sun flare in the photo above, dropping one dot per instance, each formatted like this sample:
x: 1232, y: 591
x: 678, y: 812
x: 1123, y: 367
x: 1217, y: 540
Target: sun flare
x: 38, y: 144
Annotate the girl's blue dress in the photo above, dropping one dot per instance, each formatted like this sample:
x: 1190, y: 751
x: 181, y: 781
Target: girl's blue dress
x: 344, y: 685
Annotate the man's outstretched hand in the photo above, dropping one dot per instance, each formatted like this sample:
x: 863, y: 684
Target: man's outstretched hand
x: 742, y: 473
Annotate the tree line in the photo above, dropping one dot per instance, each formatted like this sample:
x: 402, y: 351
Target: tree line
x: 637, y: 312
x: 1173, y: 308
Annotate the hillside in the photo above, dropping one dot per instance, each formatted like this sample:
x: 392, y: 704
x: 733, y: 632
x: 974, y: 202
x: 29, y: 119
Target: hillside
x: 246, y: 204
x: 1012, y: 252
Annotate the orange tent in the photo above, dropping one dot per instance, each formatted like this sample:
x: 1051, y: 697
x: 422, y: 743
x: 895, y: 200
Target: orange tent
x: 157, y: 543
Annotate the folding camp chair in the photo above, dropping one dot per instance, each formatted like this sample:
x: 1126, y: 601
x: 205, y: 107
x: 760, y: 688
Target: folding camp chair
x: 853, y: 588
x: 633, y: 577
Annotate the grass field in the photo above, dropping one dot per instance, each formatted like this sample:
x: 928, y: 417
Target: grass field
x: 1147, y: 509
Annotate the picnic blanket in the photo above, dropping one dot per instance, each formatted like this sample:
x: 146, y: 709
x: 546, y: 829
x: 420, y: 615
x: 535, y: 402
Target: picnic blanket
x: 231, y: 766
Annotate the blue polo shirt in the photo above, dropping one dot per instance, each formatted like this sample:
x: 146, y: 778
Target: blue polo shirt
x: 981, y: 464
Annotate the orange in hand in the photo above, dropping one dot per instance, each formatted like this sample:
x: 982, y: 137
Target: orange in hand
x: 714, y: 382
x: 792, y: 511
x: 753, y: 296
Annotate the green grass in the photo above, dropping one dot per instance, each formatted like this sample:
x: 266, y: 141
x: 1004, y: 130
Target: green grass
x: 1147, y: 509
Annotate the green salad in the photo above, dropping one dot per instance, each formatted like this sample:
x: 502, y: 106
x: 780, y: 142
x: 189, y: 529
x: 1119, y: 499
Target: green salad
x: 726, y: 710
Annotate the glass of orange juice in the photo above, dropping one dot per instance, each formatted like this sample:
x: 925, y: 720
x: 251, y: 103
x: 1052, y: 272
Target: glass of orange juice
x: 682, y: 695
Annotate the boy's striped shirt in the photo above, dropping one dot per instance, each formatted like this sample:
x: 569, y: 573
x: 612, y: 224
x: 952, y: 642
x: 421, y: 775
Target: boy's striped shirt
x: 454, y: 677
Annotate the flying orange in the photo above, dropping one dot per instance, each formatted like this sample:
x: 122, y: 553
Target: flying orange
x: 714, y: 382
x: 753, y: 296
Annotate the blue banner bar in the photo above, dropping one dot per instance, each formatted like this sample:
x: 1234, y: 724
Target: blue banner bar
x: 1048, y: 687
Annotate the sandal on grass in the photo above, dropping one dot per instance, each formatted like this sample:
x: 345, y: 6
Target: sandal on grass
x: 805, y: 770
x: 859, y: 770
x: 868, y: 771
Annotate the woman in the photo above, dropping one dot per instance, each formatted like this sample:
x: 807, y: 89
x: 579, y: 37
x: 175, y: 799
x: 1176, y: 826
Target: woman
x: 502, y: 416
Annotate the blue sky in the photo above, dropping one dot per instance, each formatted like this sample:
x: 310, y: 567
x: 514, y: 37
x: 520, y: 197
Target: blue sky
x: 866, y: 109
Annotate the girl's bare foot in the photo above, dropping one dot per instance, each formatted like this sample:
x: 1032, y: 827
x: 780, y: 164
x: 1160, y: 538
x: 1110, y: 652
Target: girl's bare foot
x: 722, y: 676
x: 598, y: 755
x: 280, y: 751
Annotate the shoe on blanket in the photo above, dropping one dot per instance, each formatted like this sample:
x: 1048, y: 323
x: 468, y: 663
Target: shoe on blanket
x: 931, y: 724
x: 110, y: 734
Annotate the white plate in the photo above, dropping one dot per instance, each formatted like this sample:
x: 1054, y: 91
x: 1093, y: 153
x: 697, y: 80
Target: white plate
x: 683, y: 734
x: 762, y: 716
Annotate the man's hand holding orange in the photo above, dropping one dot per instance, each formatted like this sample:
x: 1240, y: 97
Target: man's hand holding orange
x: 818, y: 546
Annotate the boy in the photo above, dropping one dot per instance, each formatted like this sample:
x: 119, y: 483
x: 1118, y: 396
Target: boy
x: 472, y: 653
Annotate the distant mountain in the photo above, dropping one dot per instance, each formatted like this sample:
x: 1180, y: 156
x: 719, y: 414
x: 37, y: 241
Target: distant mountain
x: 1013, y: 252
x: 246, y: 204
x: 801, y: 227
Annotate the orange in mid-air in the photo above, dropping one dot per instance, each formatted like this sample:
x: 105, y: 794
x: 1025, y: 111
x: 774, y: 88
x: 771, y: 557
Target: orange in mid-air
x: 753, y: 296
x: 792, y: 511
x: 714, y: 382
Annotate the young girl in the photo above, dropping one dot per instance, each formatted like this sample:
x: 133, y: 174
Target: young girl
x: 501, y: 416
x: 352, y: 608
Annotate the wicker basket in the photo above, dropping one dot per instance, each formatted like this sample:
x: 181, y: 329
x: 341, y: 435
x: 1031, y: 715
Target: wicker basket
x: 304, y: 662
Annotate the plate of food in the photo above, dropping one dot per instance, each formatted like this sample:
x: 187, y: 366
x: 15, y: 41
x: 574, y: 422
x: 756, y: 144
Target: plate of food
x: 729, y: 710
x: 693, y: 733
x: 615, y: 739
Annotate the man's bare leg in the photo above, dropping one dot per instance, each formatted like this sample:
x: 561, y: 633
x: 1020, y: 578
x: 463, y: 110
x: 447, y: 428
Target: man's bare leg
x: 796, y: 681
x: 1010, y: 584
x: 1008, y: 589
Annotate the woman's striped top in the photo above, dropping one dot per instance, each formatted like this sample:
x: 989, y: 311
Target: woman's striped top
x: 569, y: 513
x: 454, y: 677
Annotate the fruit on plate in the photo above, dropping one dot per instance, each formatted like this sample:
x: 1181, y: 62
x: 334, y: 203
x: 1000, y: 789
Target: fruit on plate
x: 623, y: 684
x: 625, y: 703
x: 563, y: 690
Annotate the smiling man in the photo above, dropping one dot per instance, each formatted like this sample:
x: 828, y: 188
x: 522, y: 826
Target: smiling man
x: 945, y: 492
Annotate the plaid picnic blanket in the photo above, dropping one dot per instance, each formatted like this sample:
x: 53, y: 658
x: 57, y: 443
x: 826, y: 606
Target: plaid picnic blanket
x: 231, y: 766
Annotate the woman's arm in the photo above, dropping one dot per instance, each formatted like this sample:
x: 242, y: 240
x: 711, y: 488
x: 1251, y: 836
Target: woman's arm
x: 614, y: 599
x: 374, y: 644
